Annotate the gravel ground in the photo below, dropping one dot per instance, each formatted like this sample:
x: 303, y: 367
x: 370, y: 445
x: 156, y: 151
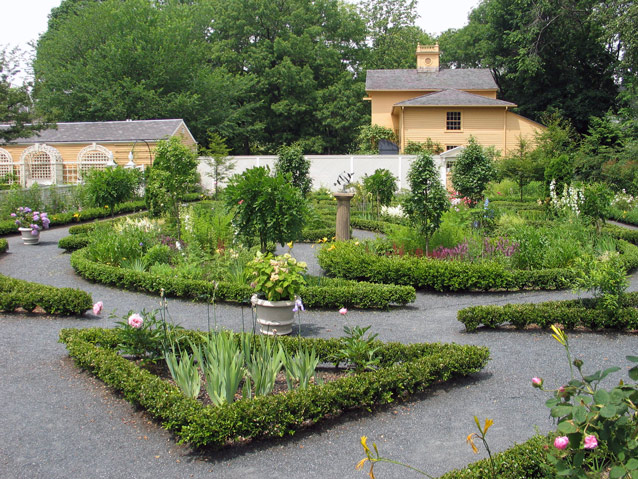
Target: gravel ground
x: 59, y: 422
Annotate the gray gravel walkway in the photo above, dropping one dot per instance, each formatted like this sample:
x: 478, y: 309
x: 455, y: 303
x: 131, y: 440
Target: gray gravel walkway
x: 59, y: 422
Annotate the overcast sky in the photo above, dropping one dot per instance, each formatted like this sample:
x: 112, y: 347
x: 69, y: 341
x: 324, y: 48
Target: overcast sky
x: 22, y: 21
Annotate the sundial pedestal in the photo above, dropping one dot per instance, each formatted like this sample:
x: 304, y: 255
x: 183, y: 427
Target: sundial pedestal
x: 343, y: 215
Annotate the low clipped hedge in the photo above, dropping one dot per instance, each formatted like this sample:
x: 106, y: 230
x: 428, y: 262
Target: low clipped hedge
x: 353, y: 261
x: 522, y: 461
x: 312, y: 235
x: 403, y: 370
x: 360, y: 295
x: 17, y: 293
x: 568, y: 313
x: 371, y: 225
x: 88, y: 214
x: 4, y: 245
x: 630, y: 218
x: 73, y: 242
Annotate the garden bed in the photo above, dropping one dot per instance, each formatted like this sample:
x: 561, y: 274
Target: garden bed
x: 403, y: 370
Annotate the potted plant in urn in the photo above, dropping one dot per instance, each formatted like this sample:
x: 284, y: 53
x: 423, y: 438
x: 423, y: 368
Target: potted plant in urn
x: 277, y: 280
x: 30, y: 223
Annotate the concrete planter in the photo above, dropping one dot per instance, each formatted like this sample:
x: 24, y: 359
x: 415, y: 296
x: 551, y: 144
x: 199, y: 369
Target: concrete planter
x: 274, y: 317
x: 29, y: 238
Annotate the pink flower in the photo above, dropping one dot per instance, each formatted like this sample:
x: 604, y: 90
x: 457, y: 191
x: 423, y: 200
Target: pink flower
x: 97, y: 307
x: 591, y: 442
x: 343, y: 311
x: 135, y: 321
x: 561, y: 442
x: 241, y: 202
x: 537, y: 382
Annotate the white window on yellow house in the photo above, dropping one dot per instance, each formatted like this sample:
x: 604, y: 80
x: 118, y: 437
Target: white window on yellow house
x: 453, y: 120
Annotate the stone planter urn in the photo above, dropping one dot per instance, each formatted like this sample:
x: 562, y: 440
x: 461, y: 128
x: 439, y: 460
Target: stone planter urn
x: 28, y: 237
x: 274, y: 317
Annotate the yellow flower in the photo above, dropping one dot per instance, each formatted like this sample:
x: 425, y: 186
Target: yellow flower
x: 290, y: 244
x: 559, y: 335
x: 107, y: 207
x: 356, y: 243
x: 470, y: 441
x: 331, y: 248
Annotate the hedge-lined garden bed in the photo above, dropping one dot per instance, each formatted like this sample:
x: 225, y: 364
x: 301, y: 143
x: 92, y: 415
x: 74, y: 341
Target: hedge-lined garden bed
x: 17, y: 293
x: 568, y: 313
x: 402, y: 370
x: 337, y: 295
x: 89, y: 214
x: 353, y: 261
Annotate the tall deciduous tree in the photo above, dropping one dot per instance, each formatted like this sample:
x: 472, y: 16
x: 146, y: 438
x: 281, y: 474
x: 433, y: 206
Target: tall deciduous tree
x: 427, y: 200
x: 542, y: 54
x: 16, y: 107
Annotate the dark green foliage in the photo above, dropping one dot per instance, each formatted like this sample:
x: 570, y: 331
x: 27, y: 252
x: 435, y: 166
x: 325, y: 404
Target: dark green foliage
x: 291, y: 161
x: 569, y: 314
x: 369, y: 136
x: 267, y: 207
x: 111, y: 186
x: 356, y: 262
x: 73, y: 242
x: 16, y: 106
x: 561, y: 171
x: 17, y: 293
x: 382, y: 185
x: 4, y: 245
x: 420, y: 366
x: 472, y: 171
x: 427, y: 200
x: 363, y: 295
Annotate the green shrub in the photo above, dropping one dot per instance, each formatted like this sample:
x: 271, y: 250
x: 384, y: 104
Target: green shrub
x: 157, y: 254
x: 4, y: 245
x: 356, y: 260
x: 353, y: 295
x: 17, y: 293
x: 404, y: 370
x: 570, y: 314
x: 111, y: 186
x: 73, y: 242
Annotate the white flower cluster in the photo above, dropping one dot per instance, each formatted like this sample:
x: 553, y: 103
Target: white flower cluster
x: 186, y: 212
x: 144, y: 224
x: 624, y: 200
x: 569, y: 202
x: 393, y: 211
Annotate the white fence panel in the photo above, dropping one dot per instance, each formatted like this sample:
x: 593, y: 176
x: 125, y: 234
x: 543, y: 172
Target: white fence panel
x: 324, y: 169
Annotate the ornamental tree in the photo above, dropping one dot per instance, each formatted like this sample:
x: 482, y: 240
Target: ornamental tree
x: 472, y: 171
x: 111, y: 186
x: 268, y: 207
x: 173, y: 172
x: 427, y: 200
x: 292, y: 161
x: 381, y: 185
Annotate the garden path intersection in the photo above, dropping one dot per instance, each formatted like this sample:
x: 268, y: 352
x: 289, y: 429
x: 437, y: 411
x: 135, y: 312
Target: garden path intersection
x: 59, y: 422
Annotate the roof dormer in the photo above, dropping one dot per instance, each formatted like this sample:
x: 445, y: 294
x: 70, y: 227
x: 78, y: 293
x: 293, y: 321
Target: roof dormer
x: 427, y: 58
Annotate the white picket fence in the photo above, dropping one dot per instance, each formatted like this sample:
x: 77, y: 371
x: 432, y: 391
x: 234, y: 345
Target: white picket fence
x: 324, y: 169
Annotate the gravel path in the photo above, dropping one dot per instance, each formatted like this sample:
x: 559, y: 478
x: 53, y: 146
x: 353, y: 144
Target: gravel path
x: 59, y: 422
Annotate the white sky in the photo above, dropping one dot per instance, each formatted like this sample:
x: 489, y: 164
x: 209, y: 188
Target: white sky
x: 22, y: 21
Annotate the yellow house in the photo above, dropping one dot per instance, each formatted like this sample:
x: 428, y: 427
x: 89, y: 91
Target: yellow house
x: 61, y: 154
x: 446, y: 105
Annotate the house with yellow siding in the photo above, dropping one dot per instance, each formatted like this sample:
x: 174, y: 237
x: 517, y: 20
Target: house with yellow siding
x: 445, y: 105
x: 60, y: 155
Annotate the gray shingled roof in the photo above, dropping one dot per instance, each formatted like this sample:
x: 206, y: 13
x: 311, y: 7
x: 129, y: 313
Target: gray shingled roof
x: 453, y: 98
x: 459, y: 79
x: 86, y: 132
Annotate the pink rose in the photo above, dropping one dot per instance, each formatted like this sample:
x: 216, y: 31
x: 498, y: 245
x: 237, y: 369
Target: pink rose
x: 343, y: 311
x: 135, y: 321
x: 561, y: 442
x: 591, y: 442
x: 97, y: 307
x: 537, y: 382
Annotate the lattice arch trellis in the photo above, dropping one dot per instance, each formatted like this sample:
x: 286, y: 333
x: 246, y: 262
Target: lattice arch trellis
x: 6, y: 163
x: 93, y: 157
x: 41, y: 164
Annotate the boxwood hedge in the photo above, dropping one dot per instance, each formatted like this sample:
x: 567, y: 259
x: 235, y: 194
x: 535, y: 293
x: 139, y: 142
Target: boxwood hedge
x: 568, y: 313
x: 4, y: 245
x: 403, y: 370
x: 354, y: 261
x: 337, y: 295
x: 17, y: 293
x: 88, y: 214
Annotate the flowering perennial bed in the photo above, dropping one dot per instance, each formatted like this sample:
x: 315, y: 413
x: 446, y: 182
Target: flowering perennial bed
x: 403, y: 370
x: 362, y: 295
